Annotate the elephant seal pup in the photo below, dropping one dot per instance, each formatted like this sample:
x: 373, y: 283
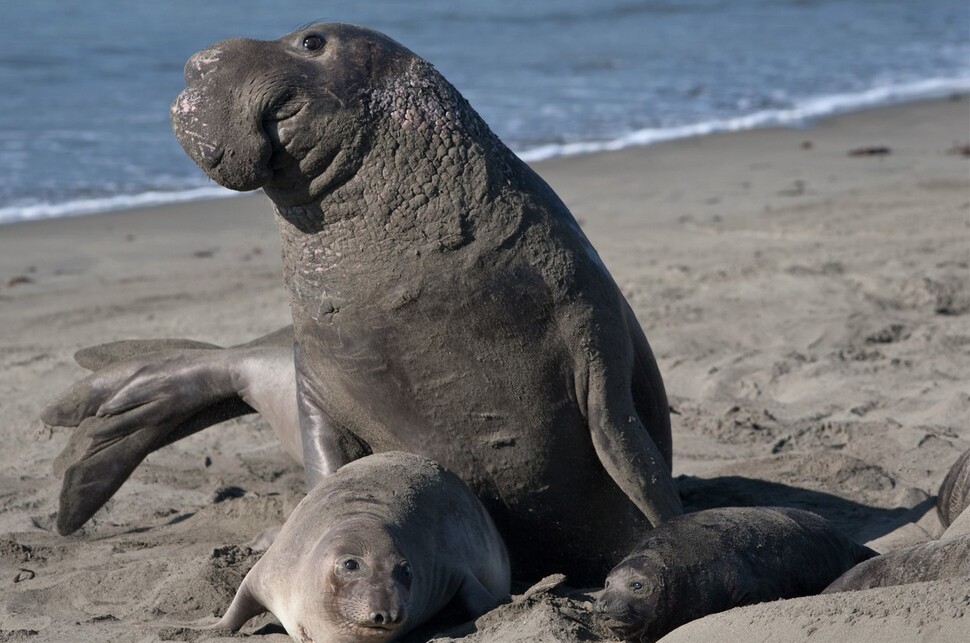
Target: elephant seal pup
x: 954, y: 494
x: 445, y: 302
x: 716, y: 559
x: 374, y: 550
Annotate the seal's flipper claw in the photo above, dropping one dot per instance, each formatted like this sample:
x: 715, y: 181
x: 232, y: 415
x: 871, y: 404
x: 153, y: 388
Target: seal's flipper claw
x: 97, y: 357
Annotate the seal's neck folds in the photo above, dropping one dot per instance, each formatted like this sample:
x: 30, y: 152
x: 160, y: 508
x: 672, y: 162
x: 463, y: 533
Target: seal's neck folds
x: 428, y: 183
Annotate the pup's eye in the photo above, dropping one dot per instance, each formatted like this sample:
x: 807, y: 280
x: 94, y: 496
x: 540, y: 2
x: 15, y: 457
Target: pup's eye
x: 313, y: 42
x: 406, y: 570
x: 636, y: 586
x: 350, y: 565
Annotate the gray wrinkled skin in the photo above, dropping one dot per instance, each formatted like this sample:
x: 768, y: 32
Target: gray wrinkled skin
x: 946, y: 558
x: 954, y: 494
x: 373, y: 551
x: 936, y: 560
x: 713, y: 560
x: 445, y: 302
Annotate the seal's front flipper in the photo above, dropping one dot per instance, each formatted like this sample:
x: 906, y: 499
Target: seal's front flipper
x: 245, y: 605
x: 474, y: 598
x: 625, y: 449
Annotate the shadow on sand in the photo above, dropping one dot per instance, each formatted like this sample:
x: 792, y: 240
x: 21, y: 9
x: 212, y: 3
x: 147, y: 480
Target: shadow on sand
x: 858, y: 521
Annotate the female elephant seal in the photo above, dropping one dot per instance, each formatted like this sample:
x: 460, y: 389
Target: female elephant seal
x: 936, y: 560
x: 946, y: 558
x: 374, y: 550
x: 716, y: 559
x: 445, y: 302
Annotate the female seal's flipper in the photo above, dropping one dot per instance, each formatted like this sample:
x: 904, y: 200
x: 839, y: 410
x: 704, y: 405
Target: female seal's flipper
x: 245, y: 605
x: 138, y: 402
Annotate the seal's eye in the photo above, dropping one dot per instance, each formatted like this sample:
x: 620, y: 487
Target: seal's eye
x: 313, y: 42
x: 636, y: 586
x: 350, y: 565
x: 406, y: 570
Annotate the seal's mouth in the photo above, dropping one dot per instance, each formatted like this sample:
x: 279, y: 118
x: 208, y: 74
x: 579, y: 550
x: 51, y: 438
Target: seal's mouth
x: 625, y: 623
x: 281, y: 127
x: 286, y: 112
x: 384, y: 632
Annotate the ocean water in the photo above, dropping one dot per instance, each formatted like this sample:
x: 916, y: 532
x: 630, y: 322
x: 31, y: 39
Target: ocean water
x: 87, y: 84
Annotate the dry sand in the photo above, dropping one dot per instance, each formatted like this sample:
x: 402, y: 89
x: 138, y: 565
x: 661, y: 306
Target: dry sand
x: 810, y: 311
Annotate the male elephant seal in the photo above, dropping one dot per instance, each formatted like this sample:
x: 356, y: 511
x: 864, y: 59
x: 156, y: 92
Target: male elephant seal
x: 374, y: 550
x: 716, y: 559
x: 954, y: 494
x: 445, y: 302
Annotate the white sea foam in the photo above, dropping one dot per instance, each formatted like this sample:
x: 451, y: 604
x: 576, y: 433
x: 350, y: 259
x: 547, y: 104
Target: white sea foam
x: 34, y: 211
x: 800, y: 115
x: 803, y: 113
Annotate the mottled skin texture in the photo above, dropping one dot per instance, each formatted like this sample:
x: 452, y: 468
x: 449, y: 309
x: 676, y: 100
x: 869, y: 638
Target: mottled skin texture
x: 713, y: 560
x: 445, y: 302
x: 375, y: 550
x: 954, y: 494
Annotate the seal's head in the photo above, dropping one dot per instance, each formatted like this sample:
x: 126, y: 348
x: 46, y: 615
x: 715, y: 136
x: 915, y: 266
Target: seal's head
x: 286, y: 115
x: 631, y: 599
x: 356, y: 586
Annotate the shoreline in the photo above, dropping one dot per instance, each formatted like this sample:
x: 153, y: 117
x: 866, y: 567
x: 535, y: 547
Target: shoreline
x: 808, y: 309
x: 803, y: 118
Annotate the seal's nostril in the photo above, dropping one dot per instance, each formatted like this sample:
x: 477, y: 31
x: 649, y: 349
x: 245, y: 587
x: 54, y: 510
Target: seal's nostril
x: 378, y: 618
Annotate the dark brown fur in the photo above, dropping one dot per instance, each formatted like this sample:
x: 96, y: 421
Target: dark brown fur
x: 716, y: 559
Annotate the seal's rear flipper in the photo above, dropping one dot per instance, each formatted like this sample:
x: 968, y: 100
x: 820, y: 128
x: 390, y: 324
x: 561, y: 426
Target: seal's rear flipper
x: 103, y: 451
x: 92, y: 480
x: 145, y: 394
x: 97, y: 357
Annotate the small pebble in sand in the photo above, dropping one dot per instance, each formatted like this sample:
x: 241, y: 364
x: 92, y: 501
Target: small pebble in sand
x: 873, y: 150
x: 226, y: 493
x: 959, y: 149
x: 17, y: 281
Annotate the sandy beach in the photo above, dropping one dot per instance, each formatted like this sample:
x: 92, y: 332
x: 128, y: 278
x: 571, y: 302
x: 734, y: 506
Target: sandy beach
x: 806, y: 293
